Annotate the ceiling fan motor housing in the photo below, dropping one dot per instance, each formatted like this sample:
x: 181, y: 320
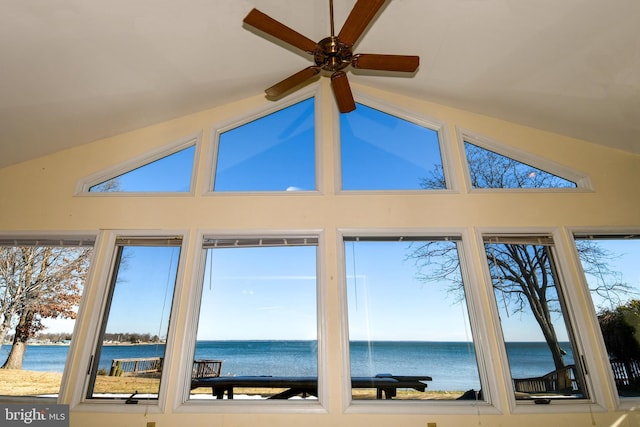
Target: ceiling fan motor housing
x: 332, y: 55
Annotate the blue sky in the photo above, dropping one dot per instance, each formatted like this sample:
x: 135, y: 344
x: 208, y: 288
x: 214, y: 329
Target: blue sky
x: 381, y: 152
x: 269, y: 293
x: 259, y: 293
x: 626, y: 262
x: 274, y: 153
x: 277, y: 153
x: 170, y: 173
x: 274, y: 288
x: 387, y: 301
x: 144, y: 290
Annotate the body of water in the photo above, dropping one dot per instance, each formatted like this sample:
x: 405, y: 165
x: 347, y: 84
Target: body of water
x: 452, y: 365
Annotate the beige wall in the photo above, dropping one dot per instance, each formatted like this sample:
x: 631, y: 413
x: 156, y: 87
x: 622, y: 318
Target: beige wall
x: 38, y: 196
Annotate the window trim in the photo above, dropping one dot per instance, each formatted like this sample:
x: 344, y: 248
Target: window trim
x: 478, y: 320
x: 575, y: 316
x: 582, y: 180
x: 182, y: 403
x: 419, y: 119
x: 217, y: 129
x: 193, y: 140
x: 96, y: 306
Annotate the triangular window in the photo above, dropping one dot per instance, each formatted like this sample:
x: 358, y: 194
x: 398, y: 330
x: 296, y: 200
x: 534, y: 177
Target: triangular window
x: 167, y: 171
x: 489, y: 169
x: 383, y: 152
x: 275, y: 152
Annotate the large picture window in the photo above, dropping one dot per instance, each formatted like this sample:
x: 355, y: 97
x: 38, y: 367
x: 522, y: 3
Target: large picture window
x: 41, y: 283
x: 257, y: 332
x: 543, y: 357
x: 129, y: 356
x: 610, y: 264
x: 409, y: 330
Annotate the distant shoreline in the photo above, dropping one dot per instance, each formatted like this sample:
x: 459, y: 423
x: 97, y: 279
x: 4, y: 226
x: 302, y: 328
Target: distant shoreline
x: 66, y: 344
x: 132, y: 343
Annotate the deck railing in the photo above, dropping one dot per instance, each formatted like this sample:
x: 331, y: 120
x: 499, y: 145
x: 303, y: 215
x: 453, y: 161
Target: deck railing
x: 562, y: 380
x: 206, y: 368
x: 135, y: 366
x: 152, y: 365
x: 626, y: 373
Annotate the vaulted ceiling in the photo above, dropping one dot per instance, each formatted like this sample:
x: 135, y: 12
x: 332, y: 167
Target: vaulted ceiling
x: 73, y: 71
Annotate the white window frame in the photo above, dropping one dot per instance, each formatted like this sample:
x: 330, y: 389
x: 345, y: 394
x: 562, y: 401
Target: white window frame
x: 217, y: 129
x: 83, y: 186
x: 93, y: 314
x: 603, y: 383
x: 418, y: 119
x: 474, y: 294
x: 582, y: 181
x: 182, y: 403
x: 31, y: 236
x: 573, y: 298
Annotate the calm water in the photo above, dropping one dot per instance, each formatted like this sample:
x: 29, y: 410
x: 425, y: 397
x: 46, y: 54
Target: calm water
x: 451, y: 364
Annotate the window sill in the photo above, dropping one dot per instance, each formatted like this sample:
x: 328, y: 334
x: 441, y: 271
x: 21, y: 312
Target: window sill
x: 261, y: 406
x: 422, y: 407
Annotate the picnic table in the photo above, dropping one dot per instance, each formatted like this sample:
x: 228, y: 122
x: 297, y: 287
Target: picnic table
x: 386, y: 384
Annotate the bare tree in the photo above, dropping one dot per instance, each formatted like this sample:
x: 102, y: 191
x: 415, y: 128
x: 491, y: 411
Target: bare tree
x: 112, y: 185
x: 523, y: 274
x: 492, y: 170
x: 38, y: 283
x: 8, y: 304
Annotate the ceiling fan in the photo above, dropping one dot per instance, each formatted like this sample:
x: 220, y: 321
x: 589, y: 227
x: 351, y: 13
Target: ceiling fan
x: 334, y: 53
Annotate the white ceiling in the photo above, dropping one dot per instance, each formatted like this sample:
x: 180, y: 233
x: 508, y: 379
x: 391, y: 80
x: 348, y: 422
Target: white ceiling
x: 73, y: 71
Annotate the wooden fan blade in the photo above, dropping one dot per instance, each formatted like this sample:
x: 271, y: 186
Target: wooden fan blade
x: 265, y: 23
x: 342, y: 92
x: 358, y: 20
x: 368, y: 61
x: 291, y: 82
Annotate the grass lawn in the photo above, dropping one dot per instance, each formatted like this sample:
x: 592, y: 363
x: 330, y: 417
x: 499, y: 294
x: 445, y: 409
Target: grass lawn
x: 15, y: 382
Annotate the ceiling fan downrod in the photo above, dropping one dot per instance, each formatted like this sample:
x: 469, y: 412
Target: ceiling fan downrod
x: 331, y: 54
x: 333, y: 30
